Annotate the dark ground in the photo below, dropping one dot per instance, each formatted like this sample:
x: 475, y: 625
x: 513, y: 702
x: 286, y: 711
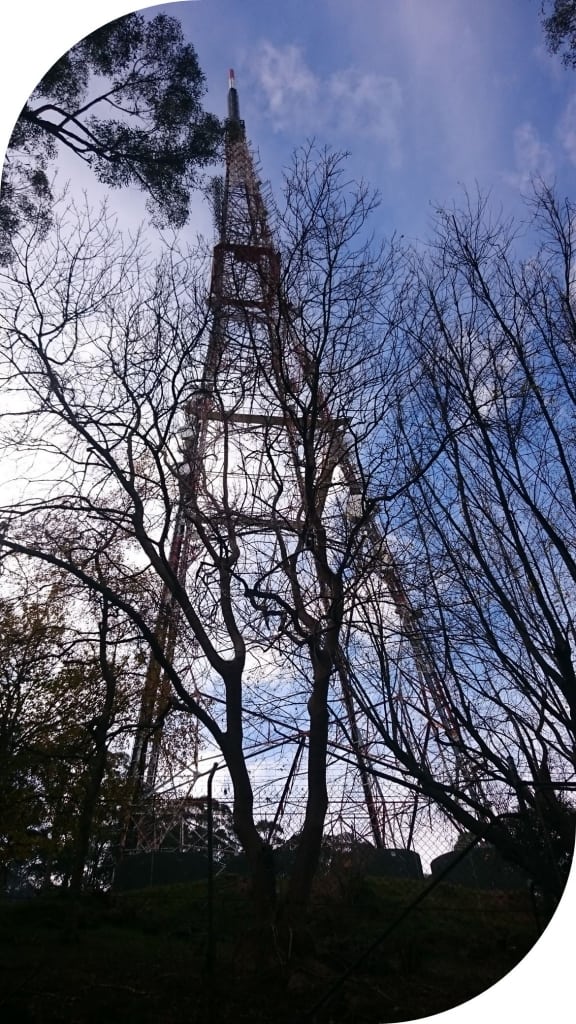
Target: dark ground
x: 141, y: 956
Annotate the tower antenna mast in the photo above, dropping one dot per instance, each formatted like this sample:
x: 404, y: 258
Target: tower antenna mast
x: 246, y: 300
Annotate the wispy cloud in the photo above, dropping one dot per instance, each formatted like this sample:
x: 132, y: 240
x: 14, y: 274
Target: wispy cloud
x: 291, y: 89
x: 345, y: 105
x: 533, y: 158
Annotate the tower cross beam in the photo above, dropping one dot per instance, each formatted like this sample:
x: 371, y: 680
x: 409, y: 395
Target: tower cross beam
x: 253, y: 339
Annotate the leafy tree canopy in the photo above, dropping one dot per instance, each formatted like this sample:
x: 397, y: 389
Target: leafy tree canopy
x: 127, y: 101
x: 560, y: 29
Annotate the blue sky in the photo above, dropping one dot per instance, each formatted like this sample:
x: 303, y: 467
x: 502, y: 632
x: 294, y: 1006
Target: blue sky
x: 427, y: 95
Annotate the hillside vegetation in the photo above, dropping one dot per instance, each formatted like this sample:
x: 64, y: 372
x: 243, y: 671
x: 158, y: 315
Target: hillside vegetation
x: 143, y: 955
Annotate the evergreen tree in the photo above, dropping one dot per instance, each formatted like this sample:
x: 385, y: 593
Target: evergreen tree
x: 560, y: 29
x: 126, y: 100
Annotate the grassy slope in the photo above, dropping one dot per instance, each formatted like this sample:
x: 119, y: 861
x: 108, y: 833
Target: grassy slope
x: 141, y: 956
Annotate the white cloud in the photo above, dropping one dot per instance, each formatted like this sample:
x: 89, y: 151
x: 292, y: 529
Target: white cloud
x: 533, y: 158
x: 346, y: 104
x: 567, y: 129
x: 290, y: 87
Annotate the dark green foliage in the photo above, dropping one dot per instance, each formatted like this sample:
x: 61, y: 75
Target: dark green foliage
x: 142, y: 956
x: 25, y: 196
x: 560, y: 28
x: 141, y: 869
x: 50, y: 692
x: 546, y: 832
x: 127, y: 101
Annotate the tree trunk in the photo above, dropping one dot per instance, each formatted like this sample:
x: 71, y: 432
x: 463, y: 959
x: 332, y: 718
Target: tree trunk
x: 96, y: 771
x: 308, y: 853
x: 258, y: 852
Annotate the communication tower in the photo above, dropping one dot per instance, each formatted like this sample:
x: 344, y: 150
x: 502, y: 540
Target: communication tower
x: 242, y: 408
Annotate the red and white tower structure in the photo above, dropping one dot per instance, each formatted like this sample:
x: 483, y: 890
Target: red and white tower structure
x: 242, y: 462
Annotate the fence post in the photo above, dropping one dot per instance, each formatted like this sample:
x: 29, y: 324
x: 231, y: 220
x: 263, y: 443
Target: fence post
x: 210, y: 837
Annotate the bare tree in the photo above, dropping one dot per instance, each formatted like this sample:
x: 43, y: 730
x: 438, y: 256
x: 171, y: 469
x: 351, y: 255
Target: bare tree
x: 486, y: 532
x: 110, y: 367
x: 391, y: 418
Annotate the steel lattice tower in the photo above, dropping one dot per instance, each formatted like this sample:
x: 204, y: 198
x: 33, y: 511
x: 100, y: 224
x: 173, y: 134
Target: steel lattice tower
x: 252, y: 353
